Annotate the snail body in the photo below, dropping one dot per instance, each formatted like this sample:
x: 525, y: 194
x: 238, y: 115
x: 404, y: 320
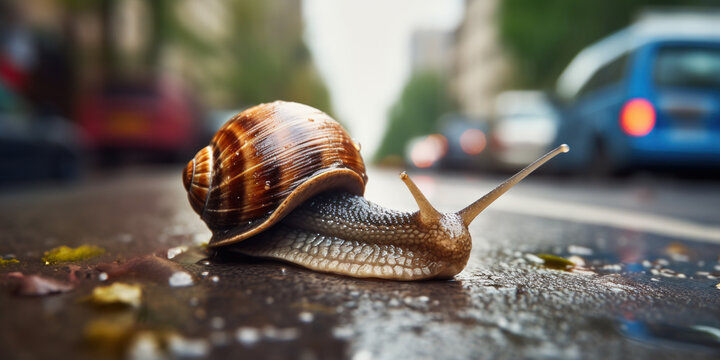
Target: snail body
x: 285, y: 181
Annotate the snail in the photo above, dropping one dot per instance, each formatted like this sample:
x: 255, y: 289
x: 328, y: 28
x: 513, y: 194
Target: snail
x: 284, y: 180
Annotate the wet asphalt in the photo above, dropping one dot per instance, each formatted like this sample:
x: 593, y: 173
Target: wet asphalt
x: 644, y: 291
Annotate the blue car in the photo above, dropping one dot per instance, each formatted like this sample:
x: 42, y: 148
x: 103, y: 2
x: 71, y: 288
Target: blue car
x: 647, y: 96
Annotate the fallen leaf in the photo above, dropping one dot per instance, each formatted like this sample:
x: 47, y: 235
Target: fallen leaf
x: 556, y: 262
x: 36, y: 285
x: 110, y: 332
x: 9, y: 261
x: 65, y: 253
x: 117, y: 294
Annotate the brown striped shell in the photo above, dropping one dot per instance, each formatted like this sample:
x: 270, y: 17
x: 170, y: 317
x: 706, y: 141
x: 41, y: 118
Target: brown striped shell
x: 264, y: 162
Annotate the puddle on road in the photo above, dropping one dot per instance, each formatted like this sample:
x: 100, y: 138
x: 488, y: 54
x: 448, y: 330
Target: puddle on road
x: 664, y: 334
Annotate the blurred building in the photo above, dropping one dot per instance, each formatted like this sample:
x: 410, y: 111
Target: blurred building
x: 480, y: 67
x: 430, y: 50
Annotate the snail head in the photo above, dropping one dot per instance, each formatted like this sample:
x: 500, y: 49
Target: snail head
x: 431, y: 217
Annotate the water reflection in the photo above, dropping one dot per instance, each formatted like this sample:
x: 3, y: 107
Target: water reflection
x: 664, y: 334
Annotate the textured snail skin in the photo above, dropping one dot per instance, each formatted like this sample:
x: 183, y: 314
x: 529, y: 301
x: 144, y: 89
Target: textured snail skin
x: 345, y: 234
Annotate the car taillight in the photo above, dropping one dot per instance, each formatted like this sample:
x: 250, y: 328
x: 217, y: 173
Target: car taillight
x: 637, y: 117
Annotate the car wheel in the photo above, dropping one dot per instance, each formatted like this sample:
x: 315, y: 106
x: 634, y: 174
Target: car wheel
x: 600, y: 164
x: 603, y: 165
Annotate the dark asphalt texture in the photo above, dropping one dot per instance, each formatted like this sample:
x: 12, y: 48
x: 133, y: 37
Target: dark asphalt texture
x: 639, y: 296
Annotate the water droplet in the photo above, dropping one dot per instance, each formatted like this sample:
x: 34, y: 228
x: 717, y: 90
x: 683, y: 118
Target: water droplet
x: 286, y: 334
x: 342, y: 333
x: 180, y: 278
x: 103, y: 276
x: 306, y: 317
x: 247, y: 335
x: 357, y: 145
x: 217, y: 323
x: 144, y: 345
x: 181, y: 347
x: 199, y: 239
x: 579, y: 250
x: 362, y: 355
x: 267, y: 185
x: 534, y: 259
x: 173, y: 252
x: 215, y: 278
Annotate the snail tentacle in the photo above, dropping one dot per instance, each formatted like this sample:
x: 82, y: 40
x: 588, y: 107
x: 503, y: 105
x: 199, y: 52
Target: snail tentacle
x: 428, y: 214
x: 469, y: 213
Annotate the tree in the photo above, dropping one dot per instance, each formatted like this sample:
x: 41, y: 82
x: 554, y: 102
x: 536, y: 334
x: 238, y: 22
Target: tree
x: 260, y: 56
x: 423, y: 100
x: 543, y: 36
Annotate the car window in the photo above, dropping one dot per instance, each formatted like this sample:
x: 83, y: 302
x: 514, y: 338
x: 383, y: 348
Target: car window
x: 608, y: 74
x: 688, y: 66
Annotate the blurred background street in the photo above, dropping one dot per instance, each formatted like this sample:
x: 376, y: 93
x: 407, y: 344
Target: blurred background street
x: 477, y: 86
x: 610, y: 250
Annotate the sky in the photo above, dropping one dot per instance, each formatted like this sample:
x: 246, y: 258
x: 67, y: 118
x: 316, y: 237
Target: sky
x: 362, y: 50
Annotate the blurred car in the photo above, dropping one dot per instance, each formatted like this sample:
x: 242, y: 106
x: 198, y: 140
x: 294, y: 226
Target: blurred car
x: 460, y: 144
x: 523, y: 129
x: 153, y: 118
x: 35, y: 148
x: 215, y: 120
x: 647, y: 96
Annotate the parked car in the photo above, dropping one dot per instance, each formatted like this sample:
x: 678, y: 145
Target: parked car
x: 35, y: 148
x: 523, y: 128
x: 467, y: 141
x: 153, y: 118
x: 460, y: 143
x: 646, y: 96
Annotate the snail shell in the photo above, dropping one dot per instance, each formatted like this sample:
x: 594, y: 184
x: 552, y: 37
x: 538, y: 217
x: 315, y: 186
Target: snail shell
x: 285, y: 181
x: 266, y: 161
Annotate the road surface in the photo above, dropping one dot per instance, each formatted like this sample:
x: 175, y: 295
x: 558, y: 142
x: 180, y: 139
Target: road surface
x: 647, y: 288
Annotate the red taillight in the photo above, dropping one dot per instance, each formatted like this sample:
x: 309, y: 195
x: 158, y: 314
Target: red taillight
x: 472, y: 141
x: 637, y: 117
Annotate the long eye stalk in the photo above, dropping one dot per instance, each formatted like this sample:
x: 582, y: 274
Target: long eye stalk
x: 428, y: 214
x: 469, y: 213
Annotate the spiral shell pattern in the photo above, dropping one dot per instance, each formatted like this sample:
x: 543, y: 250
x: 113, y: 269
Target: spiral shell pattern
x: 264, y: 162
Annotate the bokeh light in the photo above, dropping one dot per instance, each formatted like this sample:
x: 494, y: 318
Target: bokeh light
x: 473, y: 141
